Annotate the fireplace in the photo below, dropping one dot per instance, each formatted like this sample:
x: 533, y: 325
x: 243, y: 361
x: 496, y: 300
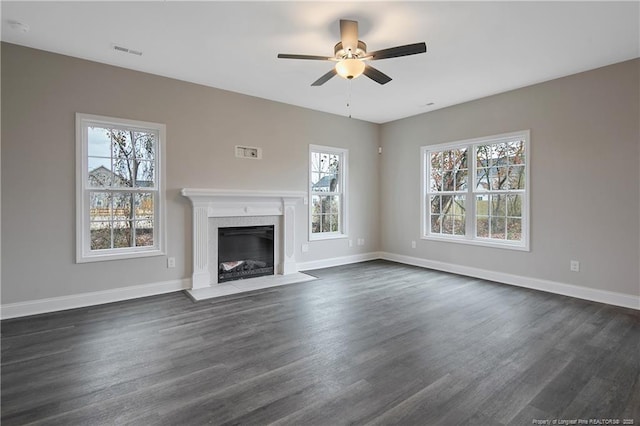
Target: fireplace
x: 245, y: 252
x: 222, y: 208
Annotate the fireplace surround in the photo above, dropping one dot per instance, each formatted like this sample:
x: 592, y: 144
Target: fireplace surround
x: 215, y: 208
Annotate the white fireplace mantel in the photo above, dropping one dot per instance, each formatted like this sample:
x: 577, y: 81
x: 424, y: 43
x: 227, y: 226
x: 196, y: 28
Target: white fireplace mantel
x: 215, y: 203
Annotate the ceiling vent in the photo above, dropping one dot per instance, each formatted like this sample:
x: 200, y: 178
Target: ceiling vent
x: 126, y: 50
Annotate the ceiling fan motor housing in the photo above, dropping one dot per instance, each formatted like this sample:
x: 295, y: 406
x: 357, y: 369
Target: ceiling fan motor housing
x: 341, y: 53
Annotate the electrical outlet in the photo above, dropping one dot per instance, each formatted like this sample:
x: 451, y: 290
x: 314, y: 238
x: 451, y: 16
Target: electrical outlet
x: 413, y: 244
x: 171, y: 262
x: 575, y: 266
x: 350, y: 243
x: 305, y: 248
x: 360, y: 241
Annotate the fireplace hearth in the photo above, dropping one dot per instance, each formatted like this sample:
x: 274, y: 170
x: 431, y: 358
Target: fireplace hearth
x: 245, y: 252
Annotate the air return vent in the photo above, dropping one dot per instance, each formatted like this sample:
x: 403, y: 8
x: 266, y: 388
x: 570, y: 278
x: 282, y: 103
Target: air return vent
x: 248, y: 152
x: 126, y: 50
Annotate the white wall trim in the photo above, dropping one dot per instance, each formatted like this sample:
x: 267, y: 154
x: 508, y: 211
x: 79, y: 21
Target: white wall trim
x: 41, y: 306
x: 337, y: 261
x: 595, y: 295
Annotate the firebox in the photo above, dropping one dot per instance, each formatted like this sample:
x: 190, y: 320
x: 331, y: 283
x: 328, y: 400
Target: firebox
x: 245, y: 252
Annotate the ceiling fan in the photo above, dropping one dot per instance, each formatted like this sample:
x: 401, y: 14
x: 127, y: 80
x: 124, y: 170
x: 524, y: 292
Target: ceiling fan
x: 350, y: 55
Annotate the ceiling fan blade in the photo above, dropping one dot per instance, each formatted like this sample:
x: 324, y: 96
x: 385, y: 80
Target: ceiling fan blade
x: 322, y: 80
x: 312, y: 57
x: 349, y: 35
x: 376, y: 75
x: 395, y: 52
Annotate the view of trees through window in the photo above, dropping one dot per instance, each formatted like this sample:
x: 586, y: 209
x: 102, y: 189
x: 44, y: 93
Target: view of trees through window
x: 121, y: 183
x: 498, y: 190
x: 326, y: 192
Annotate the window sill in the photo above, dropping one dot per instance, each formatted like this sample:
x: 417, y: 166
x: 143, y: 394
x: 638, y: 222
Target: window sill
x: 478, y: 242
x: 327, y: 236
x: 87, y: 258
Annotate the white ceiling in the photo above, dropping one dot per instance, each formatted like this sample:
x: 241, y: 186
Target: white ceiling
x: 474, y: 49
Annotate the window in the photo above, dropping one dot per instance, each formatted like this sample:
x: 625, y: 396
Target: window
x: 327, y: 191
x: 477, y: 191
x: 119, y: 188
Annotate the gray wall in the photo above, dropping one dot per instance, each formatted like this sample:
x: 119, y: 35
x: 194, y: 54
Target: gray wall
x: 41, y: 94
x: 585, y: 160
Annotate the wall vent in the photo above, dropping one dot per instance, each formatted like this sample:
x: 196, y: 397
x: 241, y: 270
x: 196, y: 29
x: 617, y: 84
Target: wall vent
x: 248, y: 152
x: 126, y: 50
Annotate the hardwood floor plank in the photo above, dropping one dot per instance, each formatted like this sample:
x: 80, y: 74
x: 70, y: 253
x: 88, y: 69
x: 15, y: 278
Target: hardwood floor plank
x: 370, y: 343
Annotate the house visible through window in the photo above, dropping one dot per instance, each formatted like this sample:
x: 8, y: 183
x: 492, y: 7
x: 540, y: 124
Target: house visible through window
x: 477, y: 192
x: 119, y: 188
x: 327, y: 177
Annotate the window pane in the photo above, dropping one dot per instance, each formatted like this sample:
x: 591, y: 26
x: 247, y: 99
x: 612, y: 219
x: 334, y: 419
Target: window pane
x: 99, y: 171
x: 498, y: 205
x: 100, y: 235
x: 315, y: 223
x: 325, y: 213
x: 516, y: 177
x: 122, y: 206
x: 435, y: 224
x: 315, y: 205
x: 498, y: 154
x: 514, y: 229
x: 325, y: 172
x: 482, y: 227
x: 461, y: 179
x: 436, y: 161
x: 121, y: 146
x: 458, y: 205
x: 435, y: 181
x: 447, y: 224
x: 144, y: 205
x: 121, y: 173
x: 482, y: 205
x: 98, y: 142
x: 333, y: 223
x: 516, y: 152
x: 447, y: 201
x: 514, y: 205
x: 122, y: 234
x: 482, y: 179
x: 448, y: 182
x: 498, y: 227
x: 483, y: 153
x: 459, y: 225
x: 498, y: 178
x: 144, y: 233
x: 99, y: 206
x: 145, y: 176
x: 435, y: 204
x: 144, y: 144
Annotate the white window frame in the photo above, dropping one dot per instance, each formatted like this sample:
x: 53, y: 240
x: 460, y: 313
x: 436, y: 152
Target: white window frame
x: 472, y: 193
x: 342, y: 220
x: 83, y: 237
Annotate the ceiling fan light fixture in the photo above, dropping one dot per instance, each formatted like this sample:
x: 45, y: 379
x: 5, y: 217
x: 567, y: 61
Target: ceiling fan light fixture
x: 350, y: 68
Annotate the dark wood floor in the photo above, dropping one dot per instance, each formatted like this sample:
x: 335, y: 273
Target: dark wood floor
x: 370, y: 343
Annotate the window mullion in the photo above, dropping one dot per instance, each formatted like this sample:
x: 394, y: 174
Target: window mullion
x: 470, y: 223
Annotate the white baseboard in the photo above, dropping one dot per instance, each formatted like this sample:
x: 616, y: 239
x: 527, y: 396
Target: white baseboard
x: 33, y: 307
x: 40, y: 306
x: 595, y: 295
x: 337, y: 261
